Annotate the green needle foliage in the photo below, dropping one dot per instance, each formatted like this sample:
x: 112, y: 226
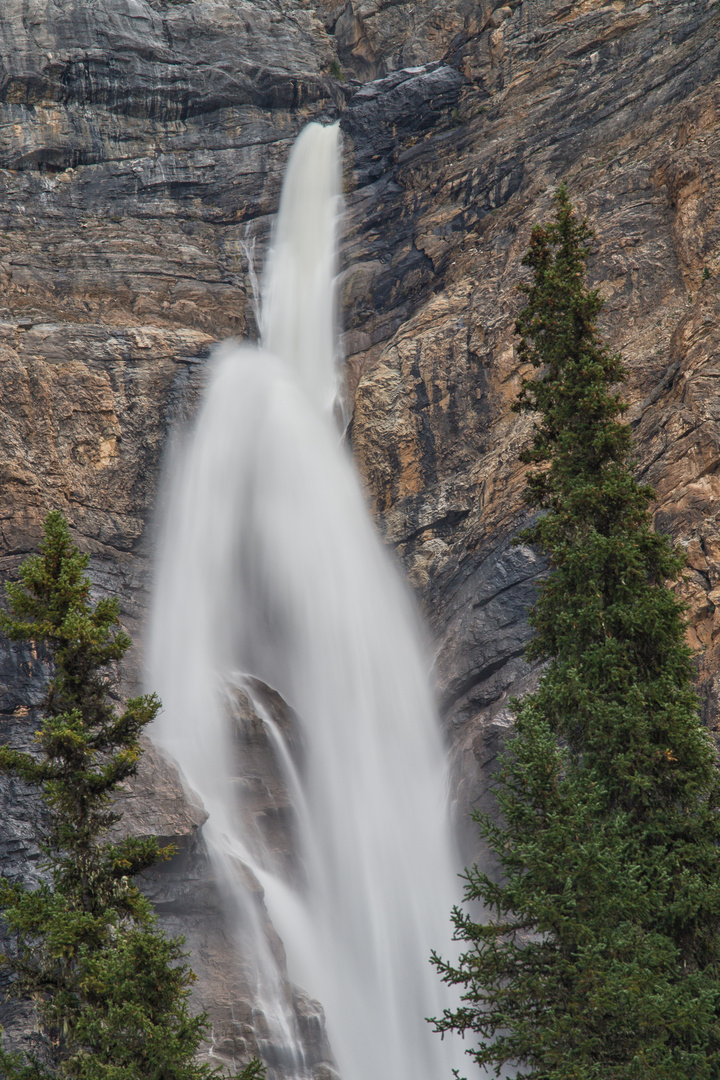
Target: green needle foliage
x: 600, y: 955
x: 111, y: 991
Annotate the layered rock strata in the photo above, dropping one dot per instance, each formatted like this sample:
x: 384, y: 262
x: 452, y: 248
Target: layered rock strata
x: 141, y: 154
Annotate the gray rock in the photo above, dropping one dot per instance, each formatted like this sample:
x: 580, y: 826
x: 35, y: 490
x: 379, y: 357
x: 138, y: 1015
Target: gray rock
x: 141, y: 152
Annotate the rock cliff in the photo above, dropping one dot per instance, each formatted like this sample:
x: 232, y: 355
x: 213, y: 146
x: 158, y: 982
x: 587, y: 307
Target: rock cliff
x: 142, y: 144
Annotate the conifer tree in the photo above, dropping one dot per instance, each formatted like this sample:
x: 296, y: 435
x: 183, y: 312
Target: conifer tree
x: 111, y: 990
x: 599, y: 954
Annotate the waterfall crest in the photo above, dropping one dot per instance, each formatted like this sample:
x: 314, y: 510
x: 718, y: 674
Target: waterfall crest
x: 270, y: 570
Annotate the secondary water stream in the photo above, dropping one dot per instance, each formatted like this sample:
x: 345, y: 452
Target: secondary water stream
x: 270, y: 572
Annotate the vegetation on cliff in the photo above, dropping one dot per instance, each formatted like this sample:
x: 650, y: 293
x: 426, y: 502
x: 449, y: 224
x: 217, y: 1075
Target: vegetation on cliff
x: 600, y: 955
x: 110, y: 989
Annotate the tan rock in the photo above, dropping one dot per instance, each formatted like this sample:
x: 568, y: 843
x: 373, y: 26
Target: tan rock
x: 499, y: 16
x: 130, y: 199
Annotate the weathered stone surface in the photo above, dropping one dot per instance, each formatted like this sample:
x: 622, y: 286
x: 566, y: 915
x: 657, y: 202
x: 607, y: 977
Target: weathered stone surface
x: 375, y: 37
x: 154, y: 802
x: 128, y: 134
x: 621, y: 102
x: 71, y: 397
x: 141, y: 153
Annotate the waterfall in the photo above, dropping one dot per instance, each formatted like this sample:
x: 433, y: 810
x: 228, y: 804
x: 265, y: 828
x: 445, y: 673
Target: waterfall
x: 270, y: 575
x: 298, y: 301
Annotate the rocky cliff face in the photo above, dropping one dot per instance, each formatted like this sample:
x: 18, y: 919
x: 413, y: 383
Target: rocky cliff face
x: 620, y: 101
x: 141, y: 152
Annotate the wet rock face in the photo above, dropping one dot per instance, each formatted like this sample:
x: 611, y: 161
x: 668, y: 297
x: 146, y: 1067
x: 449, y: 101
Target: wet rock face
x: 141, y: 154
x: 190, y: 898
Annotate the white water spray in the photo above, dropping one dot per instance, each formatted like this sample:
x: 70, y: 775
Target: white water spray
x: 271, y: 568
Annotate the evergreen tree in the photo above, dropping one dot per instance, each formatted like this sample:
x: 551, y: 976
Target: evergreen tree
x: 111, y: 991
x: 600, y: 955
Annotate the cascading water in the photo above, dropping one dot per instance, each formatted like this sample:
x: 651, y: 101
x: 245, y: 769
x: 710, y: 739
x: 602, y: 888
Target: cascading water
x: 271, y: 569
x: 298, y: 296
